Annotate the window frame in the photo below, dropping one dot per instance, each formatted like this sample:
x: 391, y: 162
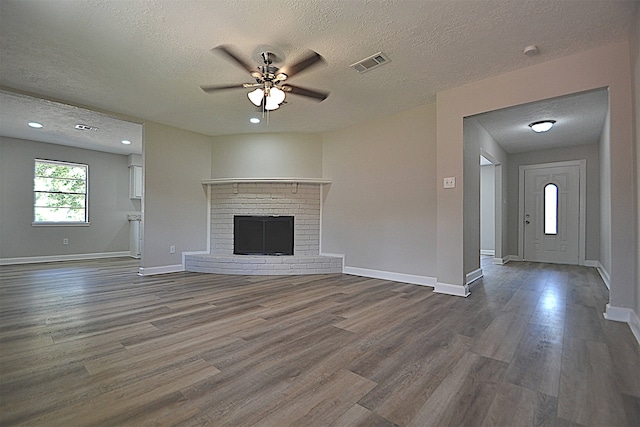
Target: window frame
x: 84, y: 223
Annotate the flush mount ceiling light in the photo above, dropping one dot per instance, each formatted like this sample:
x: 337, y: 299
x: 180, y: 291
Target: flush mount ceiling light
x: 542, y: 126
x: 126, y: 142
x: 254, y: 120
x: 35, y: 125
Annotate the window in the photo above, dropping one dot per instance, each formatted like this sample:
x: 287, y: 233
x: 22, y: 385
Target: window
x: 551, y: 209
x: 60, y: 192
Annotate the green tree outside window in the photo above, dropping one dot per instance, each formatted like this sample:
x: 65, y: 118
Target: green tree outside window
x: 60, y: 191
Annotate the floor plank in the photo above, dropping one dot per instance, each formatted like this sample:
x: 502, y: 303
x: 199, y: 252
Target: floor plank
x: 93, y: 343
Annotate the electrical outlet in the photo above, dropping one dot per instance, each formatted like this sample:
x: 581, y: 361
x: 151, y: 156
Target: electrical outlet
x: 65, y: 241
x: 172, y: 249
x: 450, y: 182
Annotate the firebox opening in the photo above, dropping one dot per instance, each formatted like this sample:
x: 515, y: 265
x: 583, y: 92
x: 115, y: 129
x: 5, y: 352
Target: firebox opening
x: 263, y: 235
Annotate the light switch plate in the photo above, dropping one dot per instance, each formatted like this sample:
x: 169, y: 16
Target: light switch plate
x: 450, y: 182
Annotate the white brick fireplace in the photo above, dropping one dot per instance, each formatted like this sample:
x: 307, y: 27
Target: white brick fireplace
x: 300, y: 198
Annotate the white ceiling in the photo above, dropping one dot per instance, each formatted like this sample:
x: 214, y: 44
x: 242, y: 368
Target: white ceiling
x: 147, y: 58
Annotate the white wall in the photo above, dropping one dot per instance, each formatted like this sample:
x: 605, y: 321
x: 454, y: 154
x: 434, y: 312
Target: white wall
x: 109, y: 203
x: 174, y: 200
x: 380, y: 209
x: 607, y: 66
x: 269, y: 155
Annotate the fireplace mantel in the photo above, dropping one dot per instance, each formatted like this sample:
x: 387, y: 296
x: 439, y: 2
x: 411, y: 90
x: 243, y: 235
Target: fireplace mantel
x: 266, y: 180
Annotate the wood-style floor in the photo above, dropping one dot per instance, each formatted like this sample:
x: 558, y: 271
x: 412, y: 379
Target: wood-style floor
x: 91, y: 343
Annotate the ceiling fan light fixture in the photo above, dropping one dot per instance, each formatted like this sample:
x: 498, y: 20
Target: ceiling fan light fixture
x: 271, y: 104
x: 542, y: 126
x: 256, y: 96
x: 276, y: 95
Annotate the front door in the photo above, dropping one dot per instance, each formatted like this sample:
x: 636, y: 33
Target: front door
x: 552, y: 214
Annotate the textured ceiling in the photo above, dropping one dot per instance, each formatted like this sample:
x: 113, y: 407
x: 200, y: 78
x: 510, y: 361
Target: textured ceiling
x: 579, y: 120
x: 147, y: 58
x: 60, y: 122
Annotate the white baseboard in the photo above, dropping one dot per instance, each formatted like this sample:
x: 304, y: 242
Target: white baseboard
x: 634, y: 324
x: 618, y: 314
x: 473, y: 276
x: 489, y: 252
x: 389, y: 275
x: 604, y: 274
x: 506, y: 259
x: 68, y: 257
x: 164, y: 269
x: 626, y: 315
x: 455, y: 290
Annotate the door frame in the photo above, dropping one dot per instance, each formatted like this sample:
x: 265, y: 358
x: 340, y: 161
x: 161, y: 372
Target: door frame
x: 582, y: 163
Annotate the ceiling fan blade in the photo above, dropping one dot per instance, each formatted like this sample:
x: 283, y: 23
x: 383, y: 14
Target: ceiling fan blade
x: 215, y: 88
x: 311, y: 58
x: 226, y: 51
x: 310, y: 93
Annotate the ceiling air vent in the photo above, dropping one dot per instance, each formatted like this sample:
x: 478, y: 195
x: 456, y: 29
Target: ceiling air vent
x: 370, y: 63
x: 86, y: 127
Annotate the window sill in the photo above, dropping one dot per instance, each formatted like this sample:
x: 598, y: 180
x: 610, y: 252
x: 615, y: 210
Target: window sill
x: 60, y: 224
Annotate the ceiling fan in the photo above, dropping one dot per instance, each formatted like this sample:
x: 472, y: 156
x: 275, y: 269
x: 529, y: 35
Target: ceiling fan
x: 270, y: 88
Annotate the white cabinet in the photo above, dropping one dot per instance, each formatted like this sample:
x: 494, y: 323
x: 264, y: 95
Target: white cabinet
x: 135, y: 182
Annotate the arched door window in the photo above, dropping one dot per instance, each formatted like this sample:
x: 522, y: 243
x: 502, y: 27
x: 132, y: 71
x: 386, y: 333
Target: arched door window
x: 551, y: 209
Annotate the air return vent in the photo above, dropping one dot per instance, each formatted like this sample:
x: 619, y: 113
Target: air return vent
x: 85, y: 127
x: 370, y: 63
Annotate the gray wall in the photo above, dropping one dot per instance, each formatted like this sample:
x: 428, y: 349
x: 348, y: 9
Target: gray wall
x: 272, y: 155
x: 175, y: 201
x: 477, y: 141
x: 380, y: 210
x: 607, y: 66
x: 487, y: 208
x: 635, y: 60
x: 604, y: 255
x: 109, y: 202
x: 591, y: 154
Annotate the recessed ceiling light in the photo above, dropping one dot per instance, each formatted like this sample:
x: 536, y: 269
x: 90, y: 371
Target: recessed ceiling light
x: 126, y: 142
x: 542, y: 126
x: 254, y: 120
x: 35, y: 125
